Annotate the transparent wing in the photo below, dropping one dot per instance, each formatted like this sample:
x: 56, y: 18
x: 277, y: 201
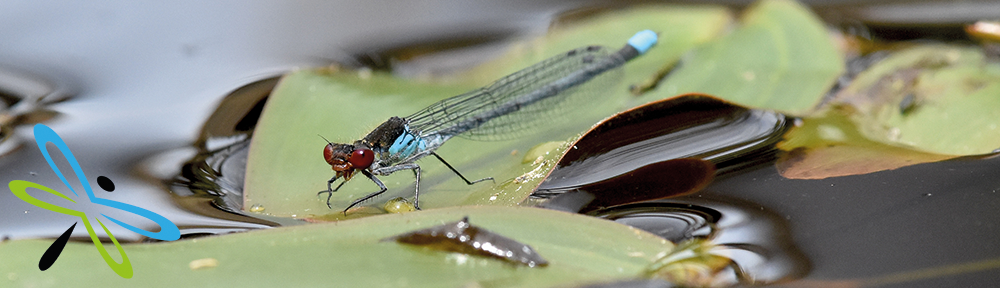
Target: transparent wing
x: 448, y: 112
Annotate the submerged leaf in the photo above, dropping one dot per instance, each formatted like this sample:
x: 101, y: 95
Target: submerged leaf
x: 694, y: 263
x: 671, y: 178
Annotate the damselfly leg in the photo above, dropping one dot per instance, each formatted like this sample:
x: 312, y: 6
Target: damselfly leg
x: 460, y: 174
x: 389, y: 170
x: 330, y: 190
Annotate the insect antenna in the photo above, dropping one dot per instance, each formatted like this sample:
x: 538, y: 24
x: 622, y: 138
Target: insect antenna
x: 324, y: 139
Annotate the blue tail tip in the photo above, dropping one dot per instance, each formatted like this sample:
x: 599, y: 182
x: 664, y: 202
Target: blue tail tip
x: 643, y: 40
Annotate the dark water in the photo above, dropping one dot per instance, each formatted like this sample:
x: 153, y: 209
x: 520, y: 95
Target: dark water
x: 130, y: 87
x: 874, y: 225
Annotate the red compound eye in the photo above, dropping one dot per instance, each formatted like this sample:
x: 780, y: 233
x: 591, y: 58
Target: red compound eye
x: 328, y: 153
x: 362, y: 158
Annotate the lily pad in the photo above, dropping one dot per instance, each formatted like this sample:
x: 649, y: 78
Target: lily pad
x: 922, y: 104
x: 285, y: 169
x: 779, y: 58
x: 330, y: 254
x: 831, y: 145
x: 935, y: 98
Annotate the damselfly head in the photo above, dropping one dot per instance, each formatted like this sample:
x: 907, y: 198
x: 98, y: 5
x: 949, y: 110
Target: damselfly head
x: 345, y: 158
x: 337, y: 155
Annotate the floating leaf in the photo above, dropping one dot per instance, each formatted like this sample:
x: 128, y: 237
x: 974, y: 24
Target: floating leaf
x: 330, y: 254
x: 831, y: 146
x: 780, y: 58
x: 922, y: 104
x: 285, y: 169
x: 936, y: 98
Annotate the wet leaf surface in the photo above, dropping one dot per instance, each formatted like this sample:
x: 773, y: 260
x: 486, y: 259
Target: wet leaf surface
x: 330, y: 254
x: 463, y: 237
x: 688, y: 126
x: 659, y: 180
x: 662, y: 149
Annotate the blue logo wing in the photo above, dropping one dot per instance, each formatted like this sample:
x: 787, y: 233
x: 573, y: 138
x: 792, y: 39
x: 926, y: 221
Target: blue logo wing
x: 44, y: 135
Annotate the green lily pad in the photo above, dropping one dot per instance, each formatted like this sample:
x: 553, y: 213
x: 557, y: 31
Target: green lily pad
x: 781, y: 58
x: 925, y: 103
x: 330, y: 254
x: 935, y: 98
x: 285, y: 169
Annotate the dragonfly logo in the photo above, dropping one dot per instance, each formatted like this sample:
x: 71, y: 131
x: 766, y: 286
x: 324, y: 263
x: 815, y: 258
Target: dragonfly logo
x: 44, y: 135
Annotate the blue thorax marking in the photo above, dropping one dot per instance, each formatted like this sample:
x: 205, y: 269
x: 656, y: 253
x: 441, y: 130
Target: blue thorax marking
x: 407, y: 144
x: 643, y: 40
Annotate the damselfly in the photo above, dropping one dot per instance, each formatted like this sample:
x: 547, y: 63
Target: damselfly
x: 499, y: 108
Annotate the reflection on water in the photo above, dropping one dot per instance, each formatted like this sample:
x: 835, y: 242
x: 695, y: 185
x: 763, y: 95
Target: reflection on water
x: 756, y: 240
x: 674, y: 221
x: 211, y: 182
x: 218, y: 168
x: 24, y: 100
